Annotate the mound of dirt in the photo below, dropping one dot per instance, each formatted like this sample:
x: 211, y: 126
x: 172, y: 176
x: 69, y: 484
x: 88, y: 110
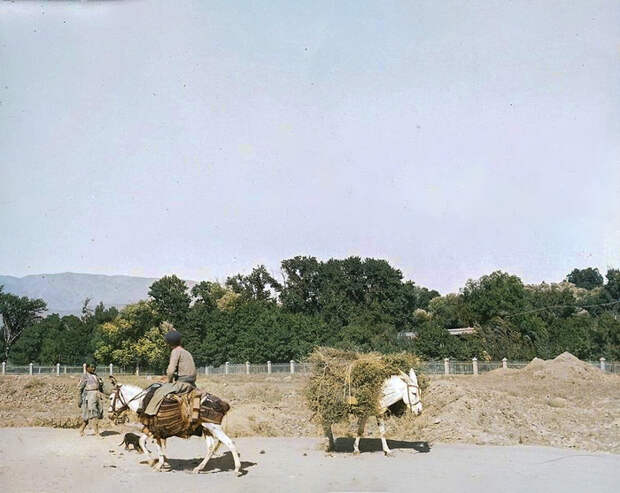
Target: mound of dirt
x: 562, y: 402
x: 35, y: 401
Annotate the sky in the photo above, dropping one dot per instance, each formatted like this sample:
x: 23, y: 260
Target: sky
x: 204, y: 138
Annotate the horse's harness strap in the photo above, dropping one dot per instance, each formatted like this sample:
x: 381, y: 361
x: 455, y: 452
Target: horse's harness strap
x: 417, y: 387
x: 125, y: 404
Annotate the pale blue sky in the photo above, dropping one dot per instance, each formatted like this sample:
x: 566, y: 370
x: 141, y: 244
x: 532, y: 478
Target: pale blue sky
x: 202, y: 138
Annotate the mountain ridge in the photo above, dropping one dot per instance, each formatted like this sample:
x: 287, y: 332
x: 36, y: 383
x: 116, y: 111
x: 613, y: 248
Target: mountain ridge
x: 65, y: 292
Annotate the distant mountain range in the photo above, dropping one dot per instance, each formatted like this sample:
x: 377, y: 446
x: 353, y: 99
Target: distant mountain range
x: 64, y: 293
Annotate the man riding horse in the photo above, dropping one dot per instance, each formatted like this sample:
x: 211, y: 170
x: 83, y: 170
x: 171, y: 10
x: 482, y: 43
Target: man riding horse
x: 180, y: 375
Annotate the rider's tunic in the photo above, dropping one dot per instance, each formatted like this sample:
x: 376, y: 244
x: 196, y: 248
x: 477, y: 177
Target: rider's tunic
x: 181, y: 376
x: 90, y: 402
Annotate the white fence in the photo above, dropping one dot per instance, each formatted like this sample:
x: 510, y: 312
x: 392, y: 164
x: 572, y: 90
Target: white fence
x: 443, y: 367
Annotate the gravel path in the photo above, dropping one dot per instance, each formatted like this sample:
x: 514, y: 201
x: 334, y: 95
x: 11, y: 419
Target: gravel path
x: 54, y: 460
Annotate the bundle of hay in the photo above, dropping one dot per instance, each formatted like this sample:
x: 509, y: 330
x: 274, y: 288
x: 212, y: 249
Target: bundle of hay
x: 347, y: 382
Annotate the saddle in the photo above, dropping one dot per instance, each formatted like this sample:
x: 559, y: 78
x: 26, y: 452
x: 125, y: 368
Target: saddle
x: 182, y: 414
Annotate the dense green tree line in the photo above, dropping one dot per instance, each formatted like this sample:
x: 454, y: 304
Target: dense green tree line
x: 354, y: 303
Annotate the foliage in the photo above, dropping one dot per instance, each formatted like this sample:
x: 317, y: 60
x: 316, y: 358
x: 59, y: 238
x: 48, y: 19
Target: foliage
x: 170, y: 299
x: 585, y: 278
x: 16, y: 314
x: 353, y: 304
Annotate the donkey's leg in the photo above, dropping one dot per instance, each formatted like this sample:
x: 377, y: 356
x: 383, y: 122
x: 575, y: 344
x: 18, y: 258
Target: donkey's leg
x: 145, y: 450
x: 381, y: 424
x: 218, y: 433
x: 164, y: 449
x: 327, y: 428
x: 211, y: 444
x: 160, y: 455
x: 361, y: 424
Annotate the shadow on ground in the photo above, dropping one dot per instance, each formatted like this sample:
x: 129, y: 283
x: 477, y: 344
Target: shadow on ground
x: 221, y: 464
x: 374, y: 445
x: 109, y: 433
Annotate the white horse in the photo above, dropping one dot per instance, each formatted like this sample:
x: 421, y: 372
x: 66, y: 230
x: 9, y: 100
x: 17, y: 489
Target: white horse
x: 130, y: 396
x: 397, y: 388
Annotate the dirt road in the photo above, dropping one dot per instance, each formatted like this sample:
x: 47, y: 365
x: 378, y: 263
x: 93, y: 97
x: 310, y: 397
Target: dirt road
x: 53, y: 460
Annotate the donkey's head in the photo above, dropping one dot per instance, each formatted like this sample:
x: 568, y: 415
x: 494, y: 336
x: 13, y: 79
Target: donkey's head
x: 412, y: 396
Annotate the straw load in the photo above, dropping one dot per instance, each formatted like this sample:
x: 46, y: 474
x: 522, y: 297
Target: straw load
x: 348, y: 382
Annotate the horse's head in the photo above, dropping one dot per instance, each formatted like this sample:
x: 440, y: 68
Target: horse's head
x: 123, y: 398
x: 413, y: 396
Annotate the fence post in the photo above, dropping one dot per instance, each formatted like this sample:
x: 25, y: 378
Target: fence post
x: 247, y: 367
x: 504, y: 363
x: 65, y: 370
x: 474, y: 364
x: 111, y: 369
x: 137, y: 369
x: 602, y: 364
x: 226, y: 368
x: 292, y: 366
x: 206, y: 369
x: 446, y: 366
x: 4, y: 367
x: 269, y: 367
x: 30, y: 369
x: 83, y: 367
x: 57, y: 369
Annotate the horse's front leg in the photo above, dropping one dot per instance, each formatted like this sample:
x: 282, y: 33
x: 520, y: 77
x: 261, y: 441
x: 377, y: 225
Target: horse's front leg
x: 160, y: 454
x: 327, y: 428
x: 384, y: 444
x: 142, y: 441
x: 361, y: 424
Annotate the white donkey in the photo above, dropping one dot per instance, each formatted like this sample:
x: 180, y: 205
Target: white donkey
x: 397, y: 388
x: 130, y: 396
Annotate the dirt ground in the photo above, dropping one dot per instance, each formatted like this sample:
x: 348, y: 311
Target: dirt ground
x: 561, y: 403
x: 52, y: 460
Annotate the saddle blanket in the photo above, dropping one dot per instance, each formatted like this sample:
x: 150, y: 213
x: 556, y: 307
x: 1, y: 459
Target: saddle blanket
x: 174, y: 417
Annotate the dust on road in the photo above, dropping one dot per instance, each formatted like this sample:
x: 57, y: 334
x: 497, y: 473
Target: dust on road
x: 53, y: 460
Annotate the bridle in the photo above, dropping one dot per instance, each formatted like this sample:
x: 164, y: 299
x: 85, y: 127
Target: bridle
x: 407, y: 379
x: 417, y: 387
x: 119, y: 397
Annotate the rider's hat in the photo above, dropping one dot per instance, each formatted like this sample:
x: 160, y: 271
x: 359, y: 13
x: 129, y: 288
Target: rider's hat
x: 173, y: 337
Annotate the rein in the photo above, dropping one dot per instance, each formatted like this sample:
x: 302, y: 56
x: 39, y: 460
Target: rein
x: 118, y: 396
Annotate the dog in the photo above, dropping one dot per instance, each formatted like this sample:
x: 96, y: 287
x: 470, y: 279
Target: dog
x: 132, y: 439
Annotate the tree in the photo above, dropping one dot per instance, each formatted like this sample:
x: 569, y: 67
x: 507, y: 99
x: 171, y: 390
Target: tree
x: 16, y: 315
x: 259, y: 285
x: 135, y: 336
x: 585, y: 278
x: 495, y: 295
x: 171, y: 300
x: 613, y: 283
x: 207, y: 294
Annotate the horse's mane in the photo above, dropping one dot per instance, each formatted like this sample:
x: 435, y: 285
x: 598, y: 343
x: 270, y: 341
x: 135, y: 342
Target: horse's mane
x: 132, y: 388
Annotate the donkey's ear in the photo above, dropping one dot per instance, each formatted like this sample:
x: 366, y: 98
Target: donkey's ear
x: 413, y: 376
x: 403, y: 376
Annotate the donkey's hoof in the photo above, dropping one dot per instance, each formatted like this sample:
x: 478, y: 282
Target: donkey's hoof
x: 388, y: 454
x: 196, y: 470
x: 356, y: 452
